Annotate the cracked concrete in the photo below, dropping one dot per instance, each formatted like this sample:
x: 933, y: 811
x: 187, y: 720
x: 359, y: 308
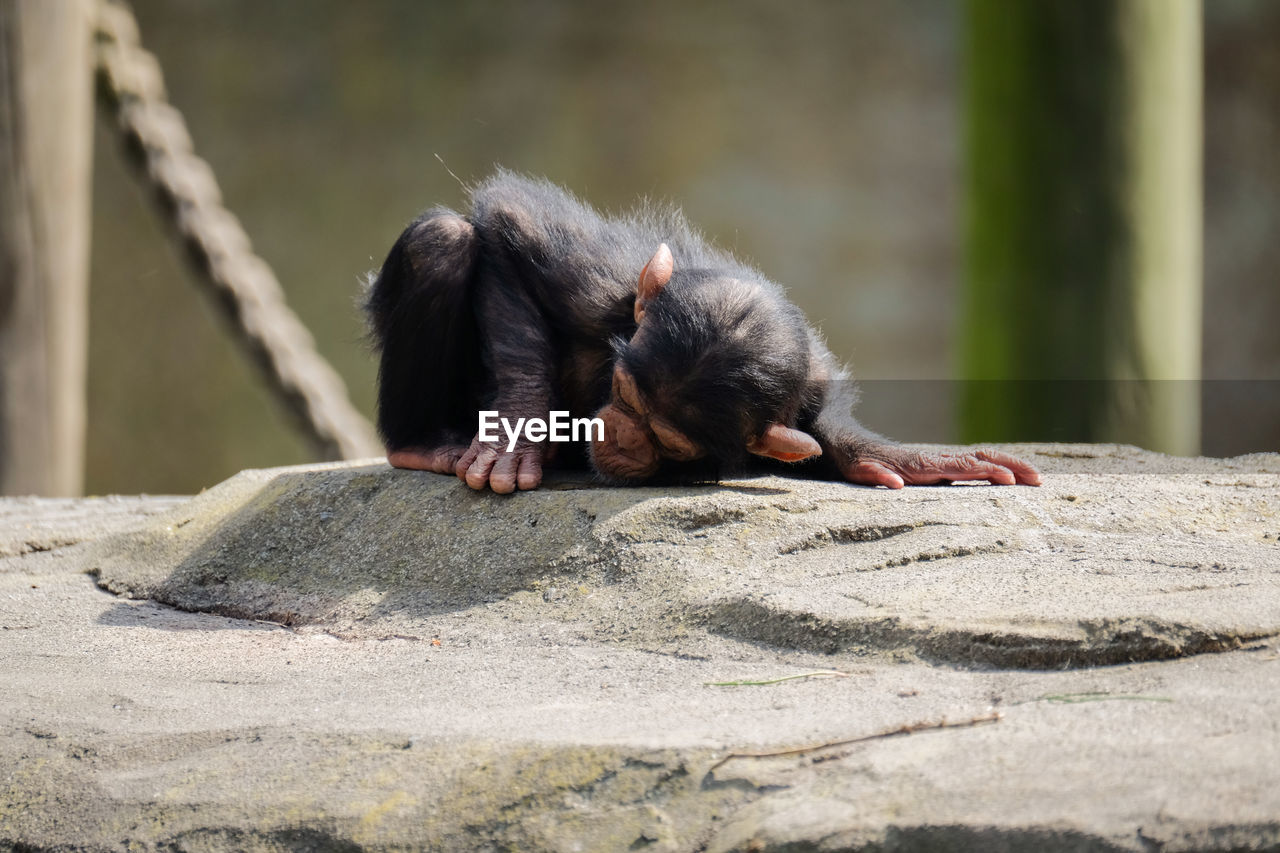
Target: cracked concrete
x: 351, y: 658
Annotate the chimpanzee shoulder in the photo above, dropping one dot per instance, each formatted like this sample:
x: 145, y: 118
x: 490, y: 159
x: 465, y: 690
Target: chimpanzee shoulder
x: 562, y: 233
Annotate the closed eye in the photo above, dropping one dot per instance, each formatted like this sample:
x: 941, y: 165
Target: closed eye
x: 674, y: 443
x: 624, y: 392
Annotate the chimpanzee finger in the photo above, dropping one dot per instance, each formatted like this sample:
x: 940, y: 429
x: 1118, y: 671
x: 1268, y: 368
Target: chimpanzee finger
x: 934, y: 469
x: 530, y: 473
x: 1025, y: 474
x: 464, y: 462
x: 502, y: 478
x: 867, y: 472
x: 477, y: 474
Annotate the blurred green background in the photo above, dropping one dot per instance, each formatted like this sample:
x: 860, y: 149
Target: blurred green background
x: 820, y: 140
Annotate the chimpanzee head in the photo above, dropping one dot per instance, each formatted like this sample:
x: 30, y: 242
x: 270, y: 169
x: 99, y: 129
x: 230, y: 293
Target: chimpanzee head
x: 715, y: 371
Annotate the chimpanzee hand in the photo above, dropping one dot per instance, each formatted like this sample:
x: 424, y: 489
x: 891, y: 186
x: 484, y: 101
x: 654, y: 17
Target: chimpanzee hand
x: 490, y: 463
x: 893, y: 466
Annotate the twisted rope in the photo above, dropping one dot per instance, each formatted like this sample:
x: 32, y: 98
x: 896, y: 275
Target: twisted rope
x: 131, y: 86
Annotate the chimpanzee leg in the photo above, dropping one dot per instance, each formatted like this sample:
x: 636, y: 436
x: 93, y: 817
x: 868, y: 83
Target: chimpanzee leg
x: 421, y: 310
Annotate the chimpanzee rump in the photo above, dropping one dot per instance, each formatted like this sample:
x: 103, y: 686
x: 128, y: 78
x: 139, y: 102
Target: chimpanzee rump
x: 534, y: 302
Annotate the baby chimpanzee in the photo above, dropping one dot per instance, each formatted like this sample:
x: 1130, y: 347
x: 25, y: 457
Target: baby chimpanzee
x: 535, y: 304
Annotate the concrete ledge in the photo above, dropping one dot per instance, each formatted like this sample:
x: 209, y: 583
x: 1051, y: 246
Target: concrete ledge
x: 1122, y: 556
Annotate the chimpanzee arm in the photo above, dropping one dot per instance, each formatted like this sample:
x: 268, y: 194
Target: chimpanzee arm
x: 519, y: 358
x: 533, y: 238
x: 860, y: 456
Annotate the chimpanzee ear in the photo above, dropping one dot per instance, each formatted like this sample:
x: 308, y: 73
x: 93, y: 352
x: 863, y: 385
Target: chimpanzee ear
x: 785, y: 444
x: 653, y: 278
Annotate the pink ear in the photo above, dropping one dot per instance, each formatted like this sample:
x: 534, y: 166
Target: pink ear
x: 785, y: 444
x: 653, y: 278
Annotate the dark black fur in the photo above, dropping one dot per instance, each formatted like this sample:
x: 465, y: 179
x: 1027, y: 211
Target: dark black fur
x: 421, y: 315
x: 528, y: 312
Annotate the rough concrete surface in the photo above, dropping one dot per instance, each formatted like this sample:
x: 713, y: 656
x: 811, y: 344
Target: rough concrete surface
x: 346, y: 657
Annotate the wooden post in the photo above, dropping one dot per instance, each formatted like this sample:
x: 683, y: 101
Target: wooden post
x: 1083, y: 243
x: 46, y: 139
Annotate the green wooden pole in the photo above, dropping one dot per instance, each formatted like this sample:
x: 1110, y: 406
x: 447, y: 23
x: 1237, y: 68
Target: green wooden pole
x: 1083, y: 222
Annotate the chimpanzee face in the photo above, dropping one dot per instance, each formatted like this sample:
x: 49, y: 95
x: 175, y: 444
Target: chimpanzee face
x: 636, y: 438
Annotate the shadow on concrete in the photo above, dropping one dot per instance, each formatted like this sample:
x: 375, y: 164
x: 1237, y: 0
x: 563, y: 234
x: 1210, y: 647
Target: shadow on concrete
x: 367, y: 542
